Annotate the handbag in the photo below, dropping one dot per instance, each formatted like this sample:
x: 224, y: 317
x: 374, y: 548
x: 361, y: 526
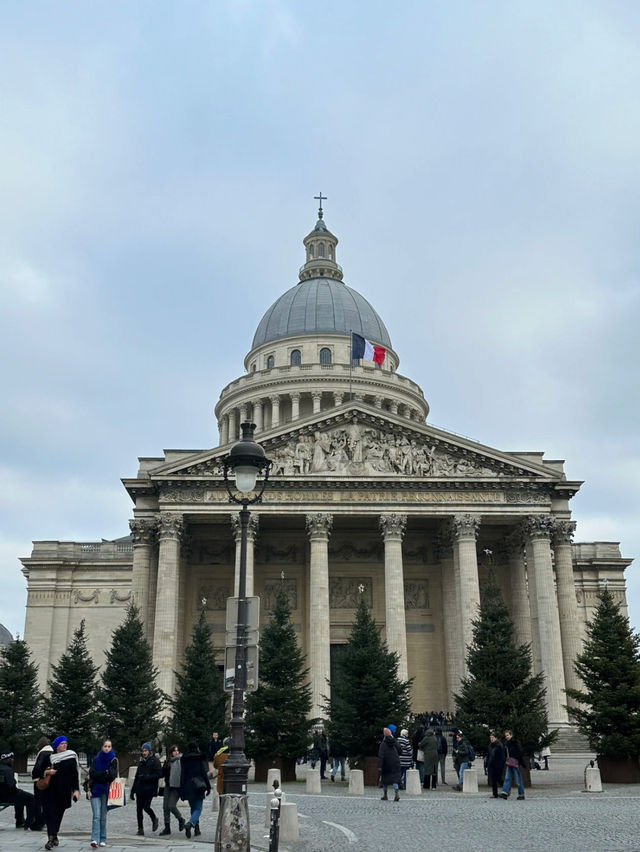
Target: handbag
x: 116, y: 797
x: 198, y: 784
x: 512, y: 762
x: 43, y: 783
x: 420, y: 756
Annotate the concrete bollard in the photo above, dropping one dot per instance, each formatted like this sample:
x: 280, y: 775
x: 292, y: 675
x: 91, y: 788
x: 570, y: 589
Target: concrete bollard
x: 289, y: 829
x: 313, y: 781
x: 470, y: 781
x: 356, y: 782
x: 273, y: 775
x: 414, y: 787
x: 592, y: 780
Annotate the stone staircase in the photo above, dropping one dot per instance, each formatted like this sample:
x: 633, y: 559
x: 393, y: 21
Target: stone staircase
x: 570, y: 742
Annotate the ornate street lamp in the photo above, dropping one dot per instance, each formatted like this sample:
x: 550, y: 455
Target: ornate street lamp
x: 245, y: 462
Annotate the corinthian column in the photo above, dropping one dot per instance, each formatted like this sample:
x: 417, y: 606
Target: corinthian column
x: 257, y: 414
x: 567, y: 607
x: 450, y: 609
x: 165, y: 635
x: 275, y: 410
x: 465, y: 532
x: 252, y: 535
x: 143, y: 533
x: 295, y: 406
x: 232, y: 427
x: 539, y: 529
x: 393, y: 527
x: 319, y: 528
x: 520, y: 610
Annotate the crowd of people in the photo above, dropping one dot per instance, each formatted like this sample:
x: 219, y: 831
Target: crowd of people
x: 57, y: 781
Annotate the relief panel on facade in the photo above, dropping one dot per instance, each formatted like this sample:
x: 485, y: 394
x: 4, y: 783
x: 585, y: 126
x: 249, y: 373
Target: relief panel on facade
x: 214, y: 597
x: 271, y: 589
x: 416, y: 594
x: 345, y: 592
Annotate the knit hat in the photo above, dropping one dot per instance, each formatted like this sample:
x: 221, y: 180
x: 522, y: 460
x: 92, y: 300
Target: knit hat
x: 57, y: 741
x: 147, y: 746
x: 392, y: 728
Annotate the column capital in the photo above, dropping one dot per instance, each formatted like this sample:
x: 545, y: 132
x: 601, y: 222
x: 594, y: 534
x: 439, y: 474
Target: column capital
x: 393, y: 525
x: 295, y: 395
x: 538, y: 526
x: 319, y: 524
x: 563, y: 532
x: 143, y: 530
x: 171, y: 525
x: 274, y: 399
x: 316, y: 394
x: 337, y: 398
x: 358, y: 396
x: 465, y: 526
x: 252, y: 527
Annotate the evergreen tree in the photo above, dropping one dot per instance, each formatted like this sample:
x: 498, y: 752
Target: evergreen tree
x: 500, y: 692
x: 200, y: 702
x: 71, y: 709
x: 609, y: 668
x: 129, y: 700
x: 20, y: 698
x: 366, y: 693
x: 277, y: 712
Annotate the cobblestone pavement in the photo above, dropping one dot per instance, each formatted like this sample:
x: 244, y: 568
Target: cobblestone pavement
x: 556, y: 815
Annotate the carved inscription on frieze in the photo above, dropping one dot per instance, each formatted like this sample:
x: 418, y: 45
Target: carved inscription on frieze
x: 345, y: 592
x: 338, y: 496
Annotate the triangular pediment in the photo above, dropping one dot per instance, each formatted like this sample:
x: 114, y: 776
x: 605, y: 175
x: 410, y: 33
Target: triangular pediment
x: 353, y: 442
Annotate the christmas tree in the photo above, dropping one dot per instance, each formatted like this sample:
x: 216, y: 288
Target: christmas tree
x: 20, y: 699
x: 277, y: 712
x: 609, y: 667
x: 71, y: 709
x: 129, y: 700
x: 200, y: 702
x: 366, y: 694
x: 500, y: 692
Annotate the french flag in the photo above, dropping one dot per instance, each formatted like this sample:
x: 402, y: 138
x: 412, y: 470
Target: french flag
x: 365, y: 350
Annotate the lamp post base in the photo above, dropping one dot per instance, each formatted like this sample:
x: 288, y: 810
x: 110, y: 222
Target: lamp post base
x: 232, y: 830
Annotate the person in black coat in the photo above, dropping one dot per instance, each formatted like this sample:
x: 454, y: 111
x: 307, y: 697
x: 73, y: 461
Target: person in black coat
x: 10, y: 792
x: 389, y: 764
x: 42, y: 760
x: 495, y: 763
x: 61, y: 767
x: 194, y: 785
x: 145, y: 786
x: 515, y: 759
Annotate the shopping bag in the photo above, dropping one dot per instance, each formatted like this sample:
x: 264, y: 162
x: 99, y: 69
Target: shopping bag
x: 117, y: 797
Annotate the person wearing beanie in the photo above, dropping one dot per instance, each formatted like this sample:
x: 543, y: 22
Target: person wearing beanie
x: 10, y: 792
x: 145, y: 786
x: 101, y: 774
x: 44, y: 750
x: 61, y: 772
x: 194, y: 785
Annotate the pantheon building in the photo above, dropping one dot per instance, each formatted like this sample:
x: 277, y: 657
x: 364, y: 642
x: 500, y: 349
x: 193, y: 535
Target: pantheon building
x: 364, y: 498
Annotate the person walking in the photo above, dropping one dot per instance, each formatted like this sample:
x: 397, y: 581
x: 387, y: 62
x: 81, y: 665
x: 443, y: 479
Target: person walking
x: 443, y: 750
x: 406, y: 755
x: 389, y: 764
x: 515, y: 759
x: 145, y: 787
x: 429, y: 746
x: 61, y: 768
x: 337, y: 755
x: 218, y: 761
x: 194, y: 786
x: 171, y: 772
x: 495, y: 763
x: 10, y: 792
x: 44, y: 750
x: 101, y: 774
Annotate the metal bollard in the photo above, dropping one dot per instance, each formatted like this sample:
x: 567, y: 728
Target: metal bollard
x: 274, y: 823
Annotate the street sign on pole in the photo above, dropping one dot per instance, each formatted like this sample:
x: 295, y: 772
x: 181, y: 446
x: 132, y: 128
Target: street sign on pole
x: 252, y: 614
x: 231, y: 638
x: 251, y: 665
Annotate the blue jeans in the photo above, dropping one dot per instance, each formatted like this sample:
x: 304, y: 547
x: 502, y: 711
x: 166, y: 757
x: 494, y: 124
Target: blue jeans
x: 196, y: 810
x: 420, y: 768
x: 463, y: 766
x: 99, y: 822
x: 513, y: 772
x: 337, y: 762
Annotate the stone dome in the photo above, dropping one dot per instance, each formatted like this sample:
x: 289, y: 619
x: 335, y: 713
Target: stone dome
x: 321, y: 305
x: 5, y: 636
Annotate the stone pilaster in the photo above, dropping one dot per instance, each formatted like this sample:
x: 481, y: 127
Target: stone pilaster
x: 539, y: 529
x: 243, y: 414
x: 465, y: 532
x: 393, y: 527
x: 316, y: 397
x: 224, y: 432
x: 567, y: 606
x: 257, y: 414
x: 165, y: 636
x: 295, y: 406
x: 233, y: 427
x: 393, y: 408
x: 450, y: 619
x: 520, y: 610
x: 143, y: 533
x: 319, y: 527
x: 275, y: 410
x: 252, y: 535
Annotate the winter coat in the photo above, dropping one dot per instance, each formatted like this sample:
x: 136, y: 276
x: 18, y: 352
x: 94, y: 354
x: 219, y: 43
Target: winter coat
x: 42, y: 761
x: 429, y: 746
x: 63, y: 784
x: 218, y: 761
x: 389, y: 761
x: 194, y: 777
x: 443, y: 747
x: 461, y: 753
x: 99, y: 780
x: 8, y: 784
x: 148, y: 773
x: 166, y: 772
x: 514, y: 749
x: 406, y: 753
x: 336, y: 749
x: 495, y: 760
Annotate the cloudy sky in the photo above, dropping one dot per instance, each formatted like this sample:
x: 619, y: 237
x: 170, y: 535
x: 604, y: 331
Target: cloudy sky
x: 158, y: 163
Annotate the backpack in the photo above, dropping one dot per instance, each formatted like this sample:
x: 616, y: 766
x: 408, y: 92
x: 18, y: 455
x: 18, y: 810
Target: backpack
x: 472, y: 754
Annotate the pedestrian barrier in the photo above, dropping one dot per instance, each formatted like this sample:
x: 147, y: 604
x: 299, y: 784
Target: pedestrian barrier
x: 413, y: 786
x: 470, y: 781
x: 592, y: 779
x: 313, y: 781
x: 289, y: 828
x: 273, y: 775
x: 356, y: 782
